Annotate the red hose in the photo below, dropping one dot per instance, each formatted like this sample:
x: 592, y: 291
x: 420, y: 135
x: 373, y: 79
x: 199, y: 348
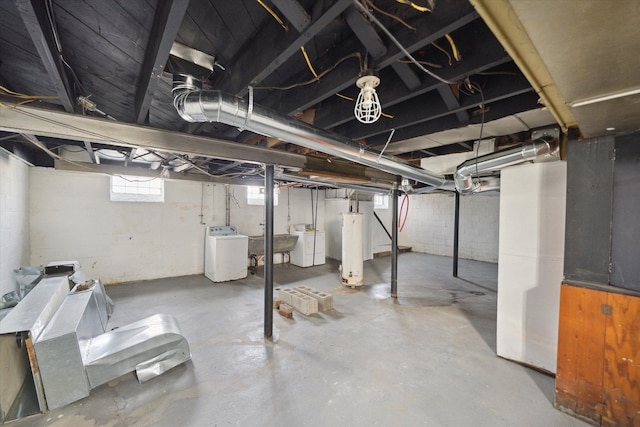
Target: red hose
x: 402, y: 222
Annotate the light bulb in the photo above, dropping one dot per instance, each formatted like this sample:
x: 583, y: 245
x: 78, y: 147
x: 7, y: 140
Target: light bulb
x: 367, y: 109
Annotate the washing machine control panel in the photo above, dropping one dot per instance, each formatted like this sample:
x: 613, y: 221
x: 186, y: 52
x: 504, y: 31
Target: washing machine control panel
x: 222, y: 230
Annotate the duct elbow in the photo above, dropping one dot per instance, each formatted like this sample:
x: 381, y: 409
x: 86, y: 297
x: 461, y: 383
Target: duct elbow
x: 463, y: 180
x: 185, y: 89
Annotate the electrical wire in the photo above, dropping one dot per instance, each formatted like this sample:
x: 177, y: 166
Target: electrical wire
x: 415, y: 6
x: 25, y: 98
x: 314, y: 80
x: 443, y: 50
x: 393, y: 130
x: 398, y: 44
x: 430, y: 64
x: 308, y: 61
x: 402, y: 222
x: 390, y: 15
x: 272, y: 13
x: 479, y: 89
x: 454, y: 48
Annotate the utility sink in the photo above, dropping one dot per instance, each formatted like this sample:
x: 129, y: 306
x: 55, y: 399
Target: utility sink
x: 281, y: 243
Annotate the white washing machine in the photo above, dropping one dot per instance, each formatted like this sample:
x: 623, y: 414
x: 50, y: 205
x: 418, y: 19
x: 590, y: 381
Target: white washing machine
x: 302, y: 253
x: 225, y: 254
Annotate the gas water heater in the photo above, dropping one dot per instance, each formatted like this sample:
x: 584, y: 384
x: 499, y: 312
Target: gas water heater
x: 351, y: 270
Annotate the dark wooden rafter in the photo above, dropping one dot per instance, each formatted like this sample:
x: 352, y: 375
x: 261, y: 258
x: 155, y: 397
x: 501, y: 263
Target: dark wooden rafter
x: 451, y: 15
x: 505, y: 107
x: 167, y: 20
x: 490, y: 54
x: 365, y: 32
x: 452, y: 102
x: 271, y: 47
x: 431, y: 106
x: 35, y: 18
x: 294, y: 12
x: 406, y: 74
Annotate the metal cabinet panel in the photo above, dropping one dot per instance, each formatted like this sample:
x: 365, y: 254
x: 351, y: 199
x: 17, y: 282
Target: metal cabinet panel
x: 589, y: 203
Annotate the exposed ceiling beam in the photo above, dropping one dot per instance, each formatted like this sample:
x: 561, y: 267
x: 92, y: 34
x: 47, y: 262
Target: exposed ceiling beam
x: 365, y: 32
x: 478, y: 57
x: 92, y: 154
x: 227, y: 167
x: 35, y: 18
x: 130, y: 156
x: 30, y: 120
x: 166, y: 23
x: 294, y: 12
x: 55, y: 124
x: 431, y: 106
x: 452, y: 102
x: 497, y: 110
x: 406, y: 74
x: 507, y: 27
x: 451, y: 15
x: 272, y: 47
x: 465, y: 145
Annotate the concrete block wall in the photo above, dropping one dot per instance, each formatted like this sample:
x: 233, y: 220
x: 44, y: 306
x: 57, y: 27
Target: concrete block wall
x: 429, y: 226
x: 14, y: 219
x: 72, y: 218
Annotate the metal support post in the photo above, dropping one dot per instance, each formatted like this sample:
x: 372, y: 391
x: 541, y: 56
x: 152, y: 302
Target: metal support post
x: 456, y: 233
x: 394, y: 244
x: 268, y: 251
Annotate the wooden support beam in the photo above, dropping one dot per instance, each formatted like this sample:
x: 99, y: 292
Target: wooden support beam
x: 431, y: 106
x: 92, y: 154
x: 477, y: 58
x: 272, y: 47
x: 452, y: 102
x: 35, y: 18
x: 365, y: 32
x: 406, y: 74
x: 166, y: 23
x: 451, y: 16
x: 294, y: 12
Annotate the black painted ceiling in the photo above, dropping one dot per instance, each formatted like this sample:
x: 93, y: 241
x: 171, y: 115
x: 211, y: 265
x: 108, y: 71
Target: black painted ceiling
x: 116, y: 53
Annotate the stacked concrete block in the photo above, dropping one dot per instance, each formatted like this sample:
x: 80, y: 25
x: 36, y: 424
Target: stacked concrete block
x: 325, y: 300
x: 301, y: 302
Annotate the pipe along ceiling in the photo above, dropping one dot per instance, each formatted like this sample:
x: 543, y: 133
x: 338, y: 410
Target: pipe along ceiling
x: 196, y: 105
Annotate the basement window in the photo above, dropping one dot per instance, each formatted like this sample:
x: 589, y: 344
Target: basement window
x: 381, y: 201
x: 255, y: 195
x: 136, y: 189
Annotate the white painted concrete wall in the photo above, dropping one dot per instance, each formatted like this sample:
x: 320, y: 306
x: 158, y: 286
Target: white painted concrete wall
x: 14, y: 219
x: 429, y: 227
x: 530, y: 267
x: 73, y: 218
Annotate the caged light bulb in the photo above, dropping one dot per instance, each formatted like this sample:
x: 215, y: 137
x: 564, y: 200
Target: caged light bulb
x: 367, y: 109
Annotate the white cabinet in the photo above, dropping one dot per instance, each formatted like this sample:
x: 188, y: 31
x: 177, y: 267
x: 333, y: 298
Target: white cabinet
x: 302, y: 254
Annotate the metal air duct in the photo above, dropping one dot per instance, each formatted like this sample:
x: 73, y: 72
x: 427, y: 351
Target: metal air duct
x: 195, y: 105
x: 545, y: 147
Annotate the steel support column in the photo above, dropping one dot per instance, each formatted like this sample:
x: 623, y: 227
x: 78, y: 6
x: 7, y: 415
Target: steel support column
x: 268, y: 251
x: 456, y: 234
x: 394, y: 244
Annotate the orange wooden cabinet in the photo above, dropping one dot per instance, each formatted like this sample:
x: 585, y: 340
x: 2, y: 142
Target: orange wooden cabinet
x: 598, y: 373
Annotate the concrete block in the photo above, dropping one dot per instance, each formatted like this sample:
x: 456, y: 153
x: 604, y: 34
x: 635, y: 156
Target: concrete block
x: 276, y: 303
x: 325, y: 300
x: 301, y: 302
x: 286, y: 310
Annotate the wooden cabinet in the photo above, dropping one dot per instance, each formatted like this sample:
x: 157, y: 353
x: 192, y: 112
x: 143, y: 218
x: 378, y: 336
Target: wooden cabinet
x: 598, y: 373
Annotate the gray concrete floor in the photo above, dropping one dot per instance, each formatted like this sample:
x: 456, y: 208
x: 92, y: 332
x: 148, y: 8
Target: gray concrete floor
x: 426, y: 360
